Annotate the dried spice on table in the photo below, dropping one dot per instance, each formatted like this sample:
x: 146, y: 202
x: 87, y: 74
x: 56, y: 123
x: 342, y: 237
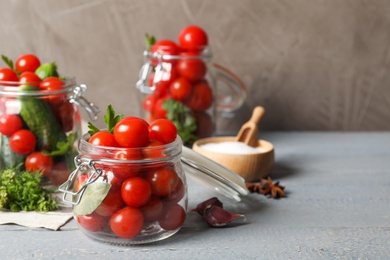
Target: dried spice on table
x: 267, y: 187
x: 213, y: 213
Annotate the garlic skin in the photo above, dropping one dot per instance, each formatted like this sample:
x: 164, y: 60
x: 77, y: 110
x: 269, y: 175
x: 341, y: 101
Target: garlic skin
x: 218, y: 217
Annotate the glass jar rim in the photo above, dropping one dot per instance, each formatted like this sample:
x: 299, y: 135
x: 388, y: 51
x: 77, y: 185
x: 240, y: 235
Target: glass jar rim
x: 204, y: 53
x: 12, y: 88
x: 173, y: 150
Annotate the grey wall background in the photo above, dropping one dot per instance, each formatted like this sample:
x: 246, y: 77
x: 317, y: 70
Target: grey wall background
x: 313, y: 64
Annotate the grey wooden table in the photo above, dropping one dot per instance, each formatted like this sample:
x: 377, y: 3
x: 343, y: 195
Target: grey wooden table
x: 337, y: 206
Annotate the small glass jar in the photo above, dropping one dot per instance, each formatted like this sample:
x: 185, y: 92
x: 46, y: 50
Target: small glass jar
x: 39, y: 129
x: 190, y: 90
x: 128, y: 196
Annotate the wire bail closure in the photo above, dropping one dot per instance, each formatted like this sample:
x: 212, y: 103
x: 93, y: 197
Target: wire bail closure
x: 82, y: 165
x: 78, y: 99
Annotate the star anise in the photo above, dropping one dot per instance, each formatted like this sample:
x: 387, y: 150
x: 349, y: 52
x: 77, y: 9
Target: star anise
x: 267, y: 187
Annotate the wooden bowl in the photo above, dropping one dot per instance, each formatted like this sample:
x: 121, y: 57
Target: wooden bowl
x: 251, y: 167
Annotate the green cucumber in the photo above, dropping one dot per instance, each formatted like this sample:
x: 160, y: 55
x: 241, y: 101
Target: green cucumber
x: 9, y: 159
x: 40, y: 119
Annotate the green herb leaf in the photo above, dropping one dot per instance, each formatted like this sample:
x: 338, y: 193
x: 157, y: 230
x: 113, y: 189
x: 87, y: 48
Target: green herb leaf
x: 181, y: 116
x: 63, y: 147
x: 149, y: 40
x: 8, y: 61
x: 23, y: 191
x: 92, y: 129
x: 111, y: 119
x: 93, y: 196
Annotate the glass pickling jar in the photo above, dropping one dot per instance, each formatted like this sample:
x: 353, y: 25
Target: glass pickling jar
x: 190, y: 90
x: 39, y: 128
x: 105, y: 208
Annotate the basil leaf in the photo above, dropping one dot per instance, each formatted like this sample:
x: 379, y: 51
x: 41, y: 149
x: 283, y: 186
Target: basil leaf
x: 93, y: 196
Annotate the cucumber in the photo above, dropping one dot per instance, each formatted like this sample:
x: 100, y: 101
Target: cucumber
x: 9, y: 159
x: 39, y: 118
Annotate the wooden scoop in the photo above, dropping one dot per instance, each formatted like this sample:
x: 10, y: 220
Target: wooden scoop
x: 248, y: 131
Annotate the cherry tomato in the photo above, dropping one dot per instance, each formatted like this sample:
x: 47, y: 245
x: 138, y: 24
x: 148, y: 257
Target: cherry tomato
x: 164, y: 79
x: 23, y: 141
x: 149, y: 102
x: 126, y: 170
x: 152, y: 150
x: 193, y: 69
x: 177, y: 194
x: 152, y: 210
x: 80, y: 181
x: 164, y: 47
x: 64, y: 112
x: 162, y: 130
x: 192, y: 38
x: 37, y: 161
x: 162, y: 180
x: 173, y: 216
x: 27, y: 62
x: 127, y: 222
x: 201, y: 97
x: 7, y: 74
x: 111, y: 203
x: 10, y: 123
x: 131, y: 133
x: 52, y: 83
x: 103, y: 138
x: 158, y: 110
x: 29, y: 78
x: 92, y: 222
x: 136, y: 192
x: 59, y: 173
x: 180, y: 88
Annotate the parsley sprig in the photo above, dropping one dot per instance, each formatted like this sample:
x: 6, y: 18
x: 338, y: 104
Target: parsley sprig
x: 111, y: 120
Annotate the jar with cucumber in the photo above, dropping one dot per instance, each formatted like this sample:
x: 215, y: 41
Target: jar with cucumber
x: 40, y: 123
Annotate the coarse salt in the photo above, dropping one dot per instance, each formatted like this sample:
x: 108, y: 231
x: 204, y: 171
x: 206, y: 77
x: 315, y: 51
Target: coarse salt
x: 232, y: 148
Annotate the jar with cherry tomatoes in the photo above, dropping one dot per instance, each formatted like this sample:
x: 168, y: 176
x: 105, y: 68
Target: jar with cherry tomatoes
x: 180, y: 82
x: 128, y: 196
x: 40, y: 124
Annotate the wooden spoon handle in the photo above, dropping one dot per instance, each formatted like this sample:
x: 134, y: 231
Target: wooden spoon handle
x: 257, y: 114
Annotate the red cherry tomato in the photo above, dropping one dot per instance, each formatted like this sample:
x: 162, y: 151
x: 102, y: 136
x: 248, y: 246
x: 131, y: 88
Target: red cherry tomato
x: 23, y: 141
x: 7, y: 74
x: 162, y: 180
x: 136, y: 192
x: 158, y: 110
x: 153, y: 149
x: 126, y: 170
x: 27, y: 62
x: 131, y: 133
x: 149, y: 103
x: 164, y: 79
x: 92, y: 222
x: 111, y: 203
x: 127, y: 222
x: 80, y: 181
x: 173, y: 216
x: 10, y: 123
x: 193, y: 69
x: 180, y: 88
x: 192, y: 38
x: 201, y: 97
x: 164, y: 47
x: 52, y: 83
x: 37, y: 161
x: 64, y: 112
x: 162, y: 130
x: 103, y: 138
x: 152, y: 210
x: 177, y: 194
x: 59, y: 173
x: 30, y: 79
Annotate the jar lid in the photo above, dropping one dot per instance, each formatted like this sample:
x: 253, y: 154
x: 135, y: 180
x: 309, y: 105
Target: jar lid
x: 213, y: 175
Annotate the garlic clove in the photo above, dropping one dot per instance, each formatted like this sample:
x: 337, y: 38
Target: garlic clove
x: 203, y: 205
x: 216, y: 216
